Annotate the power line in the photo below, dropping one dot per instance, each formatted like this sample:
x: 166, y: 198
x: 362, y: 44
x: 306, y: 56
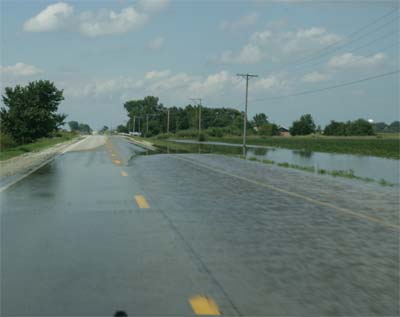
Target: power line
x: 354, y: 50
x: 306, y: 92
x: 310, y: 57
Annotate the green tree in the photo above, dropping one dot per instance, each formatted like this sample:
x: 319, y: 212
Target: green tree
x: 336, y: 128
x: 394, y: 126
x: 260, y: 119
x: 104, y: 129
x: 84, y: 128
x: 268, y: 129
x: 122, y: 129
x: 31, y: 111
x: 360, y: 127
x: 304, y: 126
x: 73, y: 125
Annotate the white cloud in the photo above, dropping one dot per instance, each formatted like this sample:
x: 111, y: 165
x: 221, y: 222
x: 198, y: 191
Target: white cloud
x: 315, y: 77
x: 249, y: 54
x: 350, y: 60
x: 153, y: 6
x: 156, y: 43
x: 53, y: 17
x: 157, y: 74
x: 211, y: 84
x: 241, y: 23
x: 61, y: 16
x: 20, y: 69
x: 277, y: 45
x: 268, y: 83
x: 109, y: 22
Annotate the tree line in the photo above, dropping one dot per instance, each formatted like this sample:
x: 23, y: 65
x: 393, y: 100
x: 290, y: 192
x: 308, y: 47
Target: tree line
x: 82, y: 128
x: 150, y: 117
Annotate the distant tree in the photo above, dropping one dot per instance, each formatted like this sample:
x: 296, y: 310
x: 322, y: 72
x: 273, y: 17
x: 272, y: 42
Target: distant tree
x: 104, y: 129
x: 31, y: 111
x: 268, y: 129
x: 73, y: 125
x: 360, y: 127
x: 260, y: 119
x: 394, y: 126
x: 305, y: 125
x: 122, y: 129
x: 335, y: 128
x: 380, y: 127
x: 84, y: 128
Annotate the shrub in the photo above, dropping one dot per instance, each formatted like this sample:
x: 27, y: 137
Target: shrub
x: 202, y: 137
x: 6, y: 141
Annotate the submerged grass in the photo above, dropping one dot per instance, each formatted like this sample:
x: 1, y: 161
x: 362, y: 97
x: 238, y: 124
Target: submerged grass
x: 169, y: 146
x: 388, y: 146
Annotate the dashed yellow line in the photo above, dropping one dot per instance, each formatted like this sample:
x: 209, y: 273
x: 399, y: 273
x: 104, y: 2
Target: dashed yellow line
x: 118, y: 162
x: 112, y: 154
x: 203, y: 305
x: 141, y: 202
x: 123, y: 173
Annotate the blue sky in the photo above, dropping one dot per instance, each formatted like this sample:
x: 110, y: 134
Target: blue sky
x: 103, y: 53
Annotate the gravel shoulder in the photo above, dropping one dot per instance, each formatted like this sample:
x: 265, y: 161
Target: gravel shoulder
x: 29, y: 161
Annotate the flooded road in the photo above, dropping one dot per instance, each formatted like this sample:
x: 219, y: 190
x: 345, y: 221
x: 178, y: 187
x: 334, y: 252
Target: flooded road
x: 77, y: 238
x: 364, y: 166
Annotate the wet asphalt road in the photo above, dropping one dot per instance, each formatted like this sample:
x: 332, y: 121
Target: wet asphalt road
x: 74, y: 241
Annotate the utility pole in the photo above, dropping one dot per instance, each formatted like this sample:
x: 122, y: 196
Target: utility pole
x: 134, y: 123
x: 245, y: 109
x: 147, y: 125
x: 199, y: 111
x: 168, y: 121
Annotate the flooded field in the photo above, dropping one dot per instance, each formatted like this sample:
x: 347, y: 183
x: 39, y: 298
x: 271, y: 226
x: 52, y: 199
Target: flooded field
x: 364, y: 166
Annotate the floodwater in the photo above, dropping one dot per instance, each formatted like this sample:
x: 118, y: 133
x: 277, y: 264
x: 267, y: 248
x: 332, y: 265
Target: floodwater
x: 364, y: 166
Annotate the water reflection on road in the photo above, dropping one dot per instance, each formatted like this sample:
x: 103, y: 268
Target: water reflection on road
x: 362, y: 165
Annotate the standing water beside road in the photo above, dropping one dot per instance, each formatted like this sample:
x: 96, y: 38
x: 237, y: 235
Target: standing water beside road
x: 362, y: 165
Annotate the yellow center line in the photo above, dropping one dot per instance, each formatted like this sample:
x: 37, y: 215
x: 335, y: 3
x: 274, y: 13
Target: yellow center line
x: 297, y: 195
x: 118, y: 162
x: 203, y: 305
x: 141, y: 202
x: 123, y: 173
x: 112, y: 154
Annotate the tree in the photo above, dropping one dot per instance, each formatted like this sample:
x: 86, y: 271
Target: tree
x: 260, y: 119
x: 394, y: 126
x: 84, y: 128
x: 335, y: 128
x: 73, y: 125
x: 360, y: 127
x: 31, y: 111
x: 103, y: 129
x: 305, y: 125
x: 268, y: 129
x: 122, y: 129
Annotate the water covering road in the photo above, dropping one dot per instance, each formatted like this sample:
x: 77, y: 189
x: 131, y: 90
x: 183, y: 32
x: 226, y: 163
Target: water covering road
x: 258, y: 240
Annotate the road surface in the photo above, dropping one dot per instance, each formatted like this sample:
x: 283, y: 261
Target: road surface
x: 112, y: 228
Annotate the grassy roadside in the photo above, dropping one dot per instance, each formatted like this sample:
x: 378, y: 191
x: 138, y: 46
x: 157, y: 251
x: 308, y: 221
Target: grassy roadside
x: 380, y: 146
x: 35, y: 146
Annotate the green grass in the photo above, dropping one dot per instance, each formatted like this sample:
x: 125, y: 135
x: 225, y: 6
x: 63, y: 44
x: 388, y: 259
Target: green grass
x: 335, y: 173
x: 35, y: 146
x: 387, y: 146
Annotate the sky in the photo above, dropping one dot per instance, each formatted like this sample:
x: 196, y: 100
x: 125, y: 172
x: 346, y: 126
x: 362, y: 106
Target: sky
x: 104, y: 53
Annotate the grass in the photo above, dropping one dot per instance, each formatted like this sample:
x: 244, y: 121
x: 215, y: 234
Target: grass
x: 38, y: 145
x: 335, y: 173
x: 387, y: 146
